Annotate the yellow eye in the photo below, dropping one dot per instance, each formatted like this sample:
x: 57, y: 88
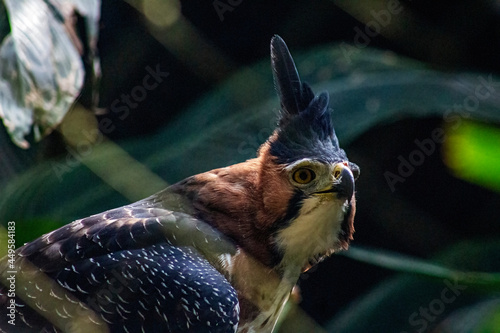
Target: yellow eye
x: 303, y: 176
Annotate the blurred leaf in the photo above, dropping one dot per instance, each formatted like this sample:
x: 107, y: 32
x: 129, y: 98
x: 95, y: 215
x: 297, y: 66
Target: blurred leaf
x: 480, y: 317
x: 406, y: 264
x: 472, y: 153
x: 41, y: 73
x: 491, y: 322
x: 400, y: 304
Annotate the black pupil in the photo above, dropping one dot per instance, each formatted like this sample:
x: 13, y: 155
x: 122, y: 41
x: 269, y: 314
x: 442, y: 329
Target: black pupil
x: 303, y: 175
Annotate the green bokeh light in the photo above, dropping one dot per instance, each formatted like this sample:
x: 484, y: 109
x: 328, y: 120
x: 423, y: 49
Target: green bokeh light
x: 472, y: 152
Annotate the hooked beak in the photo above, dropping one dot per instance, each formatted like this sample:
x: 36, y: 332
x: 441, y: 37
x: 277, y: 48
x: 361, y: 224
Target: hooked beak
x: 343, y: 183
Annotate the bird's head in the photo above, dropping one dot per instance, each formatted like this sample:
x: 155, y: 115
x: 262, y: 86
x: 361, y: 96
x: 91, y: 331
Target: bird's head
x: 317, y: 178
x: 294, y: 203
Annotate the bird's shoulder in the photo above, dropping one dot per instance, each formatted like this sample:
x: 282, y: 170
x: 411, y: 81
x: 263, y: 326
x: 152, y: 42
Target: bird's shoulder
x: 130, y: 227
x: 140, y: 266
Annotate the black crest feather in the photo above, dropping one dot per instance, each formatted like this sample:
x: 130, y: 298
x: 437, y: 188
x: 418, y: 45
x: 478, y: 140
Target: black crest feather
x: 305, y: 128
x: 294, y: 95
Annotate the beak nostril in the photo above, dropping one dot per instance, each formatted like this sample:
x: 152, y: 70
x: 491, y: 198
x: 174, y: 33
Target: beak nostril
x: 338, y: 170
x: 339, y: 167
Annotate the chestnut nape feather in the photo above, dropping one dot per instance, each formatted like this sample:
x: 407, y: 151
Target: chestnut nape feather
x: 251, y: 212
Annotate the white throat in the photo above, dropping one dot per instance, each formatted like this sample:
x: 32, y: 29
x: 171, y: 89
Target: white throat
x: 315, y: 231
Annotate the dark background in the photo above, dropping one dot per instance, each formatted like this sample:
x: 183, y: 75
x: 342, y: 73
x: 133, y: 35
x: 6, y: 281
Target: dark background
x: 448, y: 36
